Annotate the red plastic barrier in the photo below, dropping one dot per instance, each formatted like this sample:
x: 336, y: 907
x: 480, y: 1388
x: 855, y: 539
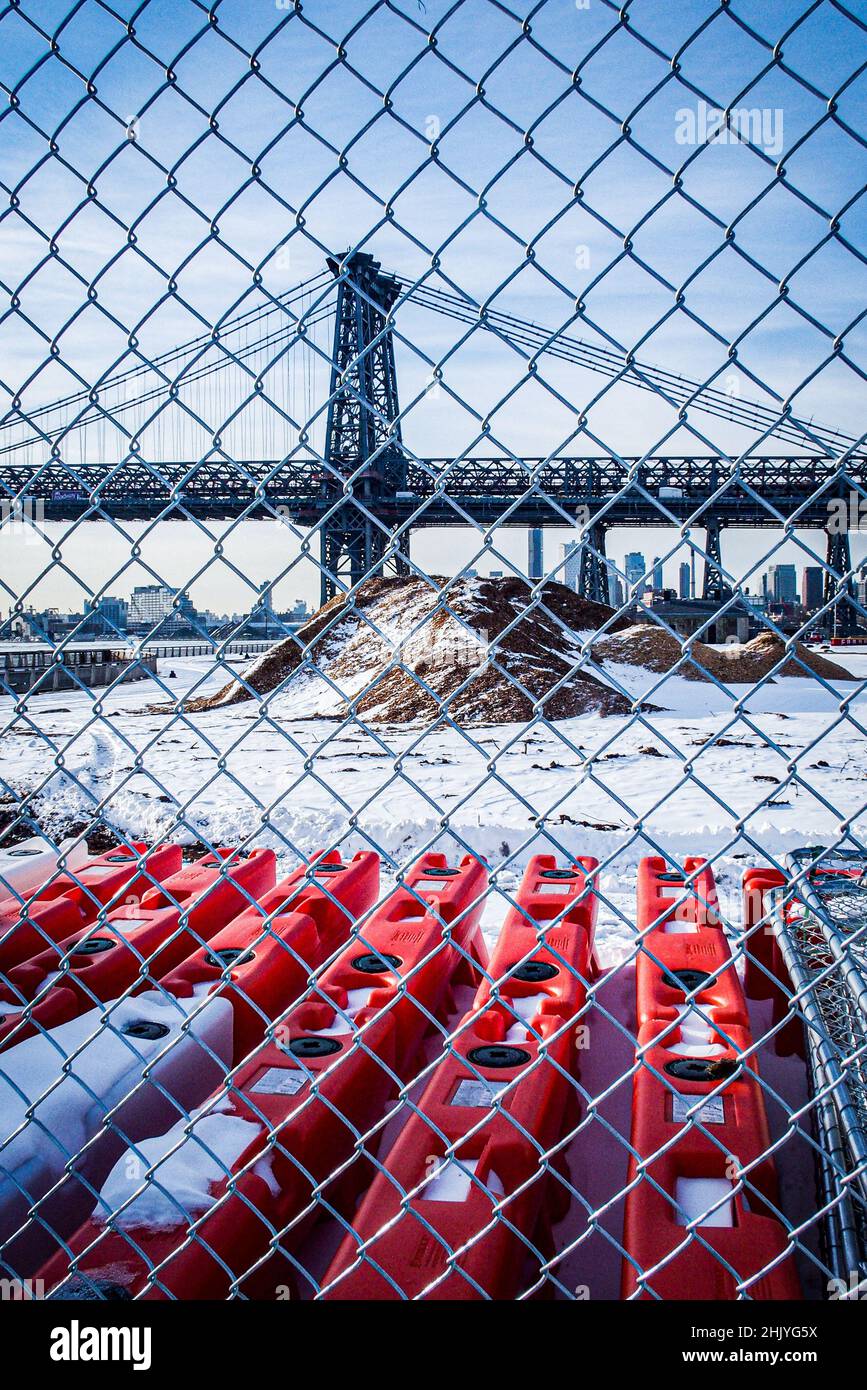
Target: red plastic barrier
x: 131, y: 869
x: 688, y: 949
x: 258, y: 965
x: 144, y: 941
x: 72, y: 901
x: 694, y: 1025
x: 328, y: 1078
x: 697, y: 1172
x: 761, y: 948
x: 269, y: 964
x: 520, y: 1030
x: 680, y: 1062
x: 23, y: 936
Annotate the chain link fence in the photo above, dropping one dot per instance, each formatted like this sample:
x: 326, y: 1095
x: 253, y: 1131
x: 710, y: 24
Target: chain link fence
x: 434, y: 649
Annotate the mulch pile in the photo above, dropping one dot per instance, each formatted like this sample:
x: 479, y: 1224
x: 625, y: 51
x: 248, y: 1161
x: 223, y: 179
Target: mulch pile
x: 657, y: 651
x: 532, y: 650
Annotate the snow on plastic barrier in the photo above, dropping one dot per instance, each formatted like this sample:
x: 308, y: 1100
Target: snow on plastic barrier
x: 223, y: 997
x: 26, y: 865
x: 131, y: 945
x: 331, y: 1073
x: 82, y: 1092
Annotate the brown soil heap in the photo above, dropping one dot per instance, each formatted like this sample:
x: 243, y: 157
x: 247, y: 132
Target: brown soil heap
x: 649, y: 646
x: 404, y: 647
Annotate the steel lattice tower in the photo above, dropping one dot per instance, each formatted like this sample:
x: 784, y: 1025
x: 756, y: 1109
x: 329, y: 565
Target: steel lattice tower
x: 363, y: 448
x: 593, y: 577
x: 715, y: 586
x: 839, y: 587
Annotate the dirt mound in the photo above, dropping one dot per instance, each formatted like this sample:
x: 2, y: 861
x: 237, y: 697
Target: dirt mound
x: 744, y: 663
x: 648, y: 646
x: 405, y: 649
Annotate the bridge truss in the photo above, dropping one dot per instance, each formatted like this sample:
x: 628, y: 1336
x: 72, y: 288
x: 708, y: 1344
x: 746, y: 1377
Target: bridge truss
x: 368, y: 492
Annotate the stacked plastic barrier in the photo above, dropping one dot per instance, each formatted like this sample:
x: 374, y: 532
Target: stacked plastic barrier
x: 29, y: 863
x: 131, y: 945
x: 818, y: 916
x: 99, y: 1055
x: 465, y: 1198
x: 221, y: 1201
x: 261, y: 962
x: 763, y: 964
x: 70, y: 899
x: 701, y: 1217
x: 205, y: 1018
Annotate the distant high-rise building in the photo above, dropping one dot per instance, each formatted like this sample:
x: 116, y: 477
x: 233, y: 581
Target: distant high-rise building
x: 153, y: 605
x: 150, y: 603
x: 615, y: 590
x: 572, y: 565
x: 635, y: 567
x: 535, y: 561
x: 657, y: 572
x: 782, y: 583
x: 683, y: 580
x: 107, y: 615
x: 811, y: 587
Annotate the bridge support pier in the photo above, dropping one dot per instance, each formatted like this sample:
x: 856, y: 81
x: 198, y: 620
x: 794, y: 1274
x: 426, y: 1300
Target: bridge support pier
x: 350, y: 554
x: 714, y: 586
x: 593, y: 577
x: 839, y: 587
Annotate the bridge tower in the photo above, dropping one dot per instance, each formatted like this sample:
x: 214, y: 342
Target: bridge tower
x: 593, y: 577
x: 714, y: 586
x: 363, y: 447
x: 839, y: 588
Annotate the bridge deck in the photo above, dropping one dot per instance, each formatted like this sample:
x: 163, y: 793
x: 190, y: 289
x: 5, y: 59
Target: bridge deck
x: 442, y: 492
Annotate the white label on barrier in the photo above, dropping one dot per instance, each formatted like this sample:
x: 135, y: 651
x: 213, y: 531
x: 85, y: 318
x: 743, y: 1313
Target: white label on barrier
x: 453, y: 1182
x: 279, y: 1081
x: 564, y: 887
x: 707, y: 1201
x: 477, y: 1093
x: 711, y: 1113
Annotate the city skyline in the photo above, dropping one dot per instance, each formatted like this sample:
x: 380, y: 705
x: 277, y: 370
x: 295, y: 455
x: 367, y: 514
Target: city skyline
x: 784, y: 582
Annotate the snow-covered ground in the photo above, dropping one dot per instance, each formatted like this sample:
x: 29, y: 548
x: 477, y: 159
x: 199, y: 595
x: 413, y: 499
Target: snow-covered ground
x: 739, y: 775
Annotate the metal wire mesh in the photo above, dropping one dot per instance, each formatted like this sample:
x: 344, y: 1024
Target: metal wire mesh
x: 372, y: 301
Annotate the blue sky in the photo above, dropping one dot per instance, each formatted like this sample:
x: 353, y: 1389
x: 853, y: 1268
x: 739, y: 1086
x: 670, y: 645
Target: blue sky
x: 498, y: 71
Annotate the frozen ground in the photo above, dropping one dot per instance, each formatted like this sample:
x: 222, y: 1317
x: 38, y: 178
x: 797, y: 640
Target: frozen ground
x: 739, y: 775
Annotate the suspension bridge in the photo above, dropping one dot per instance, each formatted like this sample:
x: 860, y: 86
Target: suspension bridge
x: 364, y: 491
